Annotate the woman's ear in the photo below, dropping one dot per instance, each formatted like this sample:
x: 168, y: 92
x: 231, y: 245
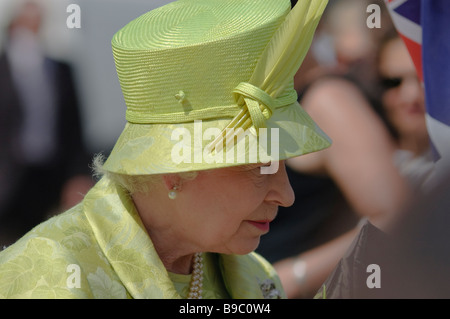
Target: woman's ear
x: 172, y: 181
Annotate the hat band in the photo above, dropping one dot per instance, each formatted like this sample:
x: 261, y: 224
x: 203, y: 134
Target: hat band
x: 256, y: 103
x: 214, y: 112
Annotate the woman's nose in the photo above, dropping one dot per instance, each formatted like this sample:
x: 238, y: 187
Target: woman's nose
x: 281, y: 192
x: 411, y: 89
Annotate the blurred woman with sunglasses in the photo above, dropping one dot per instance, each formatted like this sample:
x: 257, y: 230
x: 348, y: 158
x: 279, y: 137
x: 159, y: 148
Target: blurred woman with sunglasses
x: 403, y: 107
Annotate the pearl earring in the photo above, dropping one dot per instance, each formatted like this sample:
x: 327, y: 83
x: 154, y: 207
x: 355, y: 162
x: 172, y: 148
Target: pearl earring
x: 173, y: 192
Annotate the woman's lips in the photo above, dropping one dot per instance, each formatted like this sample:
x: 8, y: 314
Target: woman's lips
x: 263, y: 225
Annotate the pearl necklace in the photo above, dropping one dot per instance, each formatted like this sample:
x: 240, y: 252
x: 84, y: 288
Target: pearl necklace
x: 196, y: 284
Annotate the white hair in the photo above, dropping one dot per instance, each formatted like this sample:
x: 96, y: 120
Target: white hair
x: 132, y: 183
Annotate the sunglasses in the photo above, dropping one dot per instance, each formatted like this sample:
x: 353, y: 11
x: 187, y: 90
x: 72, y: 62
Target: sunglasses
x: 393, y: 82
x: 390, y: 83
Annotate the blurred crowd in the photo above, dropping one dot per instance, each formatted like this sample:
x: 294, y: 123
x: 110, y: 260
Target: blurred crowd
x: 360, y: 86
x: 357, y: 83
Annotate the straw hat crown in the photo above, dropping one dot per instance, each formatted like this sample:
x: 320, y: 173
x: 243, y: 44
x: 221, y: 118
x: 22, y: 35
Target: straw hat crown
x: 181, y: 62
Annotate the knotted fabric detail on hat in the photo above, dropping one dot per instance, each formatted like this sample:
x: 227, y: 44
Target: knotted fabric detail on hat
x: 260, y: 104
x: 257, y: 106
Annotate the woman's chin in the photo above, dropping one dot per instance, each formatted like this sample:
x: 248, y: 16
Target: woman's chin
x: 247, y: 247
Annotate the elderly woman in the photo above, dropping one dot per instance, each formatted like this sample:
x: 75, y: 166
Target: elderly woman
x: 190, y: 186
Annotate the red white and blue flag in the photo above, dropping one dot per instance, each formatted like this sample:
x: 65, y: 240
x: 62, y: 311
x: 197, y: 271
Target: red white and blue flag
x: 424, y: 26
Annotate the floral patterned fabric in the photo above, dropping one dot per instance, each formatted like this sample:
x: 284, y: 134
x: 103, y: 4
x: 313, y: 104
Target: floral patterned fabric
x: 100, y: 249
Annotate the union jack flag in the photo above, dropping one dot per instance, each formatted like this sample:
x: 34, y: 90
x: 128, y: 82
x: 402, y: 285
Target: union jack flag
x: 424, y: 27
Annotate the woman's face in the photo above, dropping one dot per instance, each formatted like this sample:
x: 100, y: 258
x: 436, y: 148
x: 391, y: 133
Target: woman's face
x: 227, y: 210
x: 403, y: 99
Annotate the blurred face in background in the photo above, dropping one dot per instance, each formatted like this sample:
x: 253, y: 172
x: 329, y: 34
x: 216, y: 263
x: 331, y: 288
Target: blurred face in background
x: 29, y: 17
x: 403, y: 99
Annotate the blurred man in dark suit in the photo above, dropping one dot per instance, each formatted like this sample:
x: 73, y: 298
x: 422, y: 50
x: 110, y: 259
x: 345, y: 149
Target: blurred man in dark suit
x: 41, y: 145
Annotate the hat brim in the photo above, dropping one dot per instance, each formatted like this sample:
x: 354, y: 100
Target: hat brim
x: 148, y: 149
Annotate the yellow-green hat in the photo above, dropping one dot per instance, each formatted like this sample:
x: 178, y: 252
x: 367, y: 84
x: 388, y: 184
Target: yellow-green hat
x: 196, y: 73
